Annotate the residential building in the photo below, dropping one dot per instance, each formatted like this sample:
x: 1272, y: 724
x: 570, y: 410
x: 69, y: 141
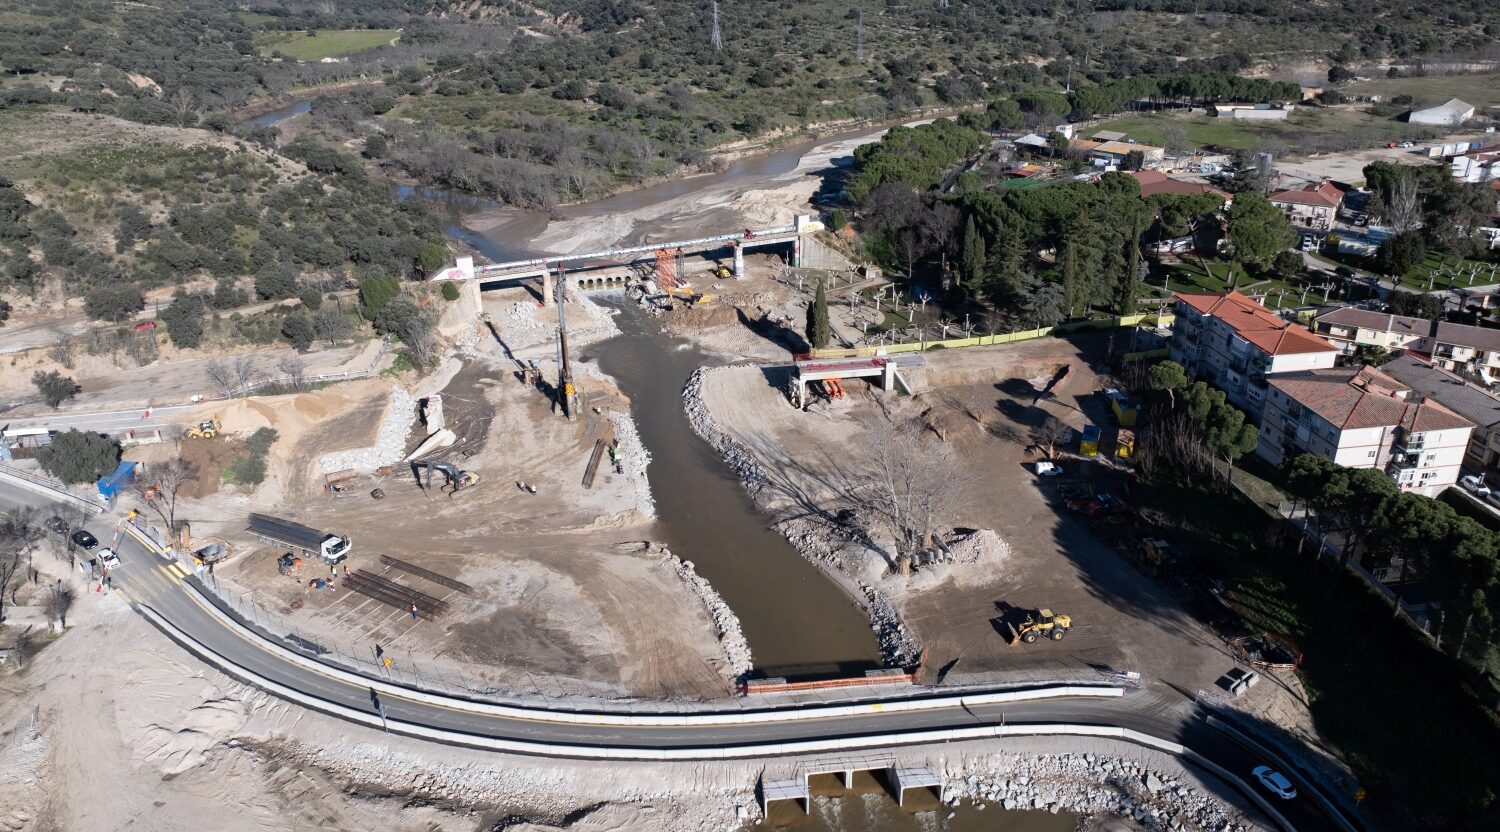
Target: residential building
x: 1351, y: 327
x: 1450, y: 113
x: 1476, y: 165
x: 1155, y: 182
x: 1313, y: 206
x: 1251, y: 112
x: 1469, y: 350
x: 1234, y: 343
x: 1115, y: 153
x: 1467, y: 400
x: 1360, y: 417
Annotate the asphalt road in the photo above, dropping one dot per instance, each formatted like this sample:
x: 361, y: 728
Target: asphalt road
x: 108, y: 422
x: 148, y: 579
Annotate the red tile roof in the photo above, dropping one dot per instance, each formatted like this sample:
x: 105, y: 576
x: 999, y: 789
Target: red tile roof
x: 1155, y: 182
x: 1256, y: 324
x: 1326, y: 195
x: 1351, y: 398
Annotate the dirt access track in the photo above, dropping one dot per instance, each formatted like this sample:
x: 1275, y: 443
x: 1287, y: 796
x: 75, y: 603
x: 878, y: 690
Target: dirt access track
x: 982, y: 401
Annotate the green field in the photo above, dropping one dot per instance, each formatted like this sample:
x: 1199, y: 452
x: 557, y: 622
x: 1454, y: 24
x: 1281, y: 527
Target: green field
x: 1308, y: 129
x: 1480, y: 90
x: 316, y: 44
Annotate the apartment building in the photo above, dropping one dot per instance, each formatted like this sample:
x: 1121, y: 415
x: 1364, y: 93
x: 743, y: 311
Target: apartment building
x: 1467, y: 400
x: 1234, y: 343
x: 1362, y: 418
x: 1313, y: 206
x: 1350, y: 328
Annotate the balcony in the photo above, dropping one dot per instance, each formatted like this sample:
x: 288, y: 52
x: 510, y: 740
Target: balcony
x: 1403, y: 462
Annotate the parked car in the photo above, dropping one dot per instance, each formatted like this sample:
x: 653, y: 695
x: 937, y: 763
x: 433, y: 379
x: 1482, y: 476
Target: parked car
x: 1048, y: 469
x: 1474, y: 484
x: 1275, y: 782
x: 1344, y: 271
x: 108, y: 557
x: 144, y: 326
x: 57, y: 524
x: 85, y: 540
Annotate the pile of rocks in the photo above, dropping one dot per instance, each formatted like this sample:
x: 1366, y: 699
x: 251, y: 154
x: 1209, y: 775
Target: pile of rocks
x: 390, y: 442
x: 731, y: 637
x: 738, y: 456
x: 1088, y: 784
x: 982, y: 546
x: 633, y: 459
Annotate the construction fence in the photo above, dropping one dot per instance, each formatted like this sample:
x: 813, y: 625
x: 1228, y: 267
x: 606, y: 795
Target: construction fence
x: 1151, y: 319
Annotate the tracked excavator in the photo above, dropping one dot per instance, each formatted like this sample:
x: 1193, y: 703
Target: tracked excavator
x: 455, y: 479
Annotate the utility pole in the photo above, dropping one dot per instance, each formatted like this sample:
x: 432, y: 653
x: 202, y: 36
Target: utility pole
x: 717, y: 38
x: 564, y: 368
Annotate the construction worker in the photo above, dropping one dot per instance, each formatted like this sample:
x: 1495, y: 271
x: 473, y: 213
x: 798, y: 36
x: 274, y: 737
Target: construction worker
x: 531, y: 488
x: 414, y: 612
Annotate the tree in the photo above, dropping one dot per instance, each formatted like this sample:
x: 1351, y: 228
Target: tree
x: 432, y: 257
x: 1042, y: 302
x: 1175, y: 144
x: 1420, y: 526
x: 58, y: 602
x: 332, y: 326
x: 55, y: 387
x: 396, y: 316
x: 184, y: 320
x: 375, y: 293
x: 1416, y: 304
x: 10, y: 567
x: 910, y: 485
x: 1351, y: 499
x: 78, y: 457
x: 159, y: 485
x: 450, y: 290
x: 1223, y: 428
x: 1401, y: 253
x: 297, y: 328
x: 376, y: 146
x: 1257, y: 231
x: 972, y: 262
x: 295, y: 372
x: 113, y: 302
x: 312, y: 299
x: 20, y: 529
x: 260, y: 442
x: 221, y: 374
x: 1287, y: 263
x: 276, y: 281
x: 818, y: 332
x: 1306, y: 477
x: 1168, y: 376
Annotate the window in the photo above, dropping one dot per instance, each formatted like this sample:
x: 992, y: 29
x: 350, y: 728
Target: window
x: 1370, y: 455
x: 1427, y: 475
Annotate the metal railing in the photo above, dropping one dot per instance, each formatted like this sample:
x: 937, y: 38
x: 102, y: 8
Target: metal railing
x: 55, y: 486
x: 247, y: 389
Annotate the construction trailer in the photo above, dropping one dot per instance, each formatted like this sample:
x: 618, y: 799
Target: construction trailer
x: 1088, y: 445
x: 310, y: 542
x: 1126, y: 409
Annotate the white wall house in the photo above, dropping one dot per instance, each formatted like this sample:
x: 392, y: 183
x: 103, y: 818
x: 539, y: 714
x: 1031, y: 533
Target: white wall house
x: 1315, y: 206
x: 1360, y: 417
x: 1234, y: 343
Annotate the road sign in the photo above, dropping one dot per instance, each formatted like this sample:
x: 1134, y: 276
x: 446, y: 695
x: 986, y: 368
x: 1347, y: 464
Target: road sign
x: 1360, y: 794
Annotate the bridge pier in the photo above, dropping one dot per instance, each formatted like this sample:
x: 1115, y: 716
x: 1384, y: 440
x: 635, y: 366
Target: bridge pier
x: 739, y: 260
x: 901, y: 778
x: 547, y: 279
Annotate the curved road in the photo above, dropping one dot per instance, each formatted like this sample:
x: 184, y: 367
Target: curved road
x: 147, y: 579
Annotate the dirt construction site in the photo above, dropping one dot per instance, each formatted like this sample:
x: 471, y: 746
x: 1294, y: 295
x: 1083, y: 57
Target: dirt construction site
x: 529, y: 580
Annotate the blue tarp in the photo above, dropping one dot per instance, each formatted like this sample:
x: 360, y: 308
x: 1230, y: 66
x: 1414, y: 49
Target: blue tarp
x: 111, y: 485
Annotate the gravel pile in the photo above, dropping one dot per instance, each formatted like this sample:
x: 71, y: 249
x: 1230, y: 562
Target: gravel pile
x: 728, y: 624
x: 1088, y: 784
x: 634, y: 458
x: 390, y: 442
x: 897, y: 643
x: 983, y: 546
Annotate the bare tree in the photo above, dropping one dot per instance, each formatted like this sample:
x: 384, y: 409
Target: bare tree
x: 62, y: 350
x: 912, y: 486
x: 1176, y: 140
x: 142, y: 347
x: 58, y: 602
x: 20, y: 529
x: 221, y: 374
x: 1402, y: 206
x: 10, y: 565
x: 295, y: 372
x: 1048, y: 435
x: 159, y: 486
x: 422, y: 342
x: 244, y: 371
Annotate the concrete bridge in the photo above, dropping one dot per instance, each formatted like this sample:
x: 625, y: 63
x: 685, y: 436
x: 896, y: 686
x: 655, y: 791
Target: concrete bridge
x: 545, y: 270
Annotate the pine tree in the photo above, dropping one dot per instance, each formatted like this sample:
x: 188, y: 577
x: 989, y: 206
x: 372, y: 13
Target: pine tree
x: 818, y: 332
x: 972, y: 260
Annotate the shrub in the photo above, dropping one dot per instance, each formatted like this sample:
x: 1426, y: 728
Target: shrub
x: 375, y: 293
x: 75, y: 456
x: 55, y: 387
x: 450, y: 290
x: 246, y: 470
x: 312, y: 299
x: 184, y: 320
x: 261, y: 441
x: 298, y: 330
x: 276, y: 281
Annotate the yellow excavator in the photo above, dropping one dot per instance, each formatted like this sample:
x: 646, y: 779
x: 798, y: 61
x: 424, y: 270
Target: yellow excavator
x: 1041, y: 624
x: 205, y: 430
x: 689, y: 296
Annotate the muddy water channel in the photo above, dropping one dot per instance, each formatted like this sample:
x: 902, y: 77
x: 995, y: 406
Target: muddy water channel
x: 796, y: 620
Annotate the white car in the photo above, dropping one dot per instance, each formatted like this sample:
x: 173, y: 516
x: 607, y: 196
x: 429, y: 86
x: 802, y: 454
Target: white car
x: 1048, y: 469
x: 1275, y: 781
x: 108, y: 557
x: 1474, y: 484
